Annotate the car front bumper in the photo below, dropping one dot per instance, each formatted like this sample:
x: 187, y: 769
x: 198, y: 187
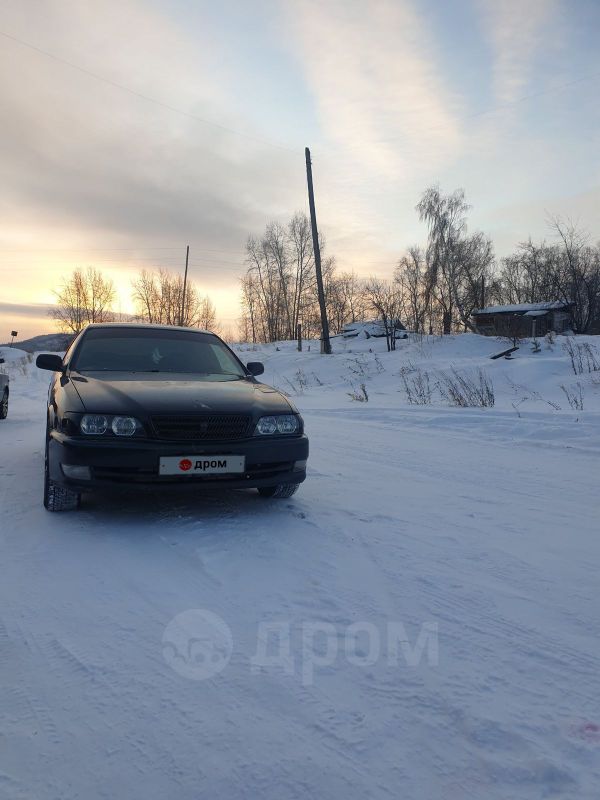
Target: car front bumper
x: 134, y: 462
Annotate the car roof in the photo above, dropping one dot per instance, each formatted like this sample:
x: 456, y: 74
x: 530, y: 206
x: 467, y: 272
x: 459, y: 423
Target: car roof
x: 144, y: 325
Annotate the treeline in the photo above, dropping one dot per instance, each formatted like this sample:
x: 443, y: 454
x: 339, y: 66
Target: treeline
x: 88, y: 296
x: 443, y: 283
x: 435, y: 287
x: 158, y: 299
x: 279, y: 288
x: 567, y: 270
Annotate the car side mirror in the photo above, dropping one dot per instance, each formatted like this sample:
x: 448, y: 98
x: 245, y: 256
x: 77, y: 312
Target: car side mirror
x: 255, y: 367
x: 1, y: 361
x: 49, y: 361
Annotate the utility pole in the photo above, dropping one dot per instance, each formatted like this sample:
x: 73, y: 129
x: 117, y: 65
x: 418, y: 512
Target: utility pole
x: 187, y: 258
x: 325, y: 343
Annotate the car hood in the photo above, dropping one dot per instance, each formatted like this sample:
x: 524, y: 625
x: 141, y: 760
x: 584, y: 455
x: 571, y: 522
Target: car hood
x: 121, y: 393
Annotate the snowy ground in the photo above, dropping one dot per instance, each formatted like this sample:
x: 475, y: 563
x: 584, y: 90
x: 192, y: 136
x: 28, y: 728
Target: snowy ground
x: 480, y: 524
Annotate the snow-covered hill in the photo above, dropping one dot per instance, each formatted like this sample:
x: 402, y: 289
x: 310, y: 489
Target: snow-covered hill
x: 47, y: 342
x: 419, y: 621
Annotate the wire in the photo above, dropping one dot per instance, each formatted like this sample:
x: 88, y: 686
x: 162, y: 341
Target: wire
x: 414, y: 150
x: 260, y: 139
x: 142, y: 96
x: 101, y: 249
x: 208, y: 266
x: 534, y: 95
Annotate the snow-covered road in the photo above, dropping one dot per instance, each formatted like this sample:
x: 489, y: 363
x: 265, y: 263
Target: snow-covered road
x: 492, y: 544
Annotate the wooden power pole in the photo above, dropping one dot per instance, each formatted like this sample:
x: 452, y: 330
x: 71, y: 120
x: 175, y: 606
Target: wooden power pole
x: 187, y: 258
x: 325, y: 343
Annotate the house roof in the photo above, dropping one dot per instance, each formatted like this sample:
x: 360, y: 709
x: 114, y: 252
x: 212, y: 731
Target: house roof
x: 531, y: 309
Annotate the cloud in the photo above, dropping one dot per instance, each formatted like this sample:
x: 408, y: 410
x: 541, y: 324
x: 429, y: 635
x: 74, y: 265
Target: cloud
x: 29, y: 319
x: 517, y: 31
x: 86, y: 160
x: 388, y: 120
x: 24, y: 309
x: 379, y: 91
x: 87, y: 167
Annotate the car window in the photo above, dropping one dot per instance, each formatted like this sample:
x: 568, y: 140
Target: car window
x: 226, y: 360
x: 154, y: 350
x: 70, y: 350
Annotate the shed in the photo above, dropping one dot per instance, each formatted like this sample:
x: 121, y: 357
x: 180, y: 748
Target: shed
x: 524, y: 319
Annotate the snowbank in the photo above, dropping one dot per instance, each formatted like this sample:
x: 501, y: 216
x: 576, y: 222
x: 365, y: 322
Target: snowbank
x: 12, y: 354
x: 528, y: 382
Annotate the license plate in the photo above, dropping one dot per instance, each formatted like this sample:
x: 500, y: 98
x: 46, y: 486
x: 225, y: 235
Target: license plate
x: 201, y: 465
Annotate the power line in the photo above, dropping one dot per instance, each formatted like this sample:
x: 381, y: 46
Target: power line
x: 125, y: 261
x: 262, y: 140
x: 413, y: 149
x: 207, y: 267
x: 142, y: 96
x: 141, y: 248
x: 534, y: 95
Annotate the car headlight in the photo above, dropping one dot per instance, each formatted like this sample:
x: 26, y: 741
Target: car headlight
x: 124, y: 426
x: 282, y: 423
x: 94, y: 424
x: 99, y: 424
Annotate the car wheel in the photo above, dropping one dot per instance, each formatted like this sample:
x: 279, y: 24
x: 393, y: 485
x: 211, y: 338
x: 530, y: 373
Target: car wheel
x: 282, y: 490
x: 4, y: 405
x: 58, y: 498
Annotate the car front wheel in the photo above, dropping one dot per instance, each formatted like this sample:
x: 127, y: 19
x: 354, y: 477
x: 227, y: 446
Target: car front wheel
x: 282, y: 490
x: 58, y: 498
x: 4, y: 405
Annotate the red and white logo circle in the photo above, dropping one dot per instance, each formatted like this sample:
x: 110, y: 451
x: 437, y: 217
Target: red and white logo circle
x: 185, y: 464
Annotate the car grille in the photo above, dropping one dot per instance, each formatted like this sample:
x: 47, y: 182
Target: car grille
x: 146, y: 475
x: 217, y: 428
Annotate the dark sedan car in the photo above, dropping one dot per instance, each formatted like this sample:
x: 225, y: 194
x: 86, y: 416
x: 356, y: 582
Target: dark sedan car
x: 151, y: 405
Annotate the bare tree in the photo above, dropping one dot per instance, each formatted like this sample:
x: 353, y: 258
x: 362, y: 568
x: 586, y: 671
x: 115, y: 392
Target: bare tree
x: 249, y: 318
x: 458, y: 266
x: 279, y: 289
x: 386, y: 301
x: 531, y: 274
x: 411, y: 276
x: 474, y: 264
x: 567, y: 271
x: 302, y: 258
x: 580, y: 274
x: 244, y: 330
x: 276, y: 246
x: 158, y: 299
x: 207, y: 314
x: 85, y: 297
x: 445, y: 216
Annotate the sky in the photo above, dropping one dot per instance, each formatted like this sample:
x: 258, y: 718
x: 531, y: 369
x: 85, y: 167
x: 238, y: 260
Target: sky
x: 131, y: 128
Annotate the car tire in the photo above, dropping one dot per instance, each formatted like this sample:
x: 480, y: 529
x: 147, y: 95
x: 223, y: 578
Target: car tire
x: 4, y: 405
x: 58, y: 498
x: 282, y: 490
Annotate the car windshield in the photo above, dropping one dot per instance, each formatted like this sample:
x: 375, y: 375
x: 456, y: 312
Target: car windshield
x: 154, y: 350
